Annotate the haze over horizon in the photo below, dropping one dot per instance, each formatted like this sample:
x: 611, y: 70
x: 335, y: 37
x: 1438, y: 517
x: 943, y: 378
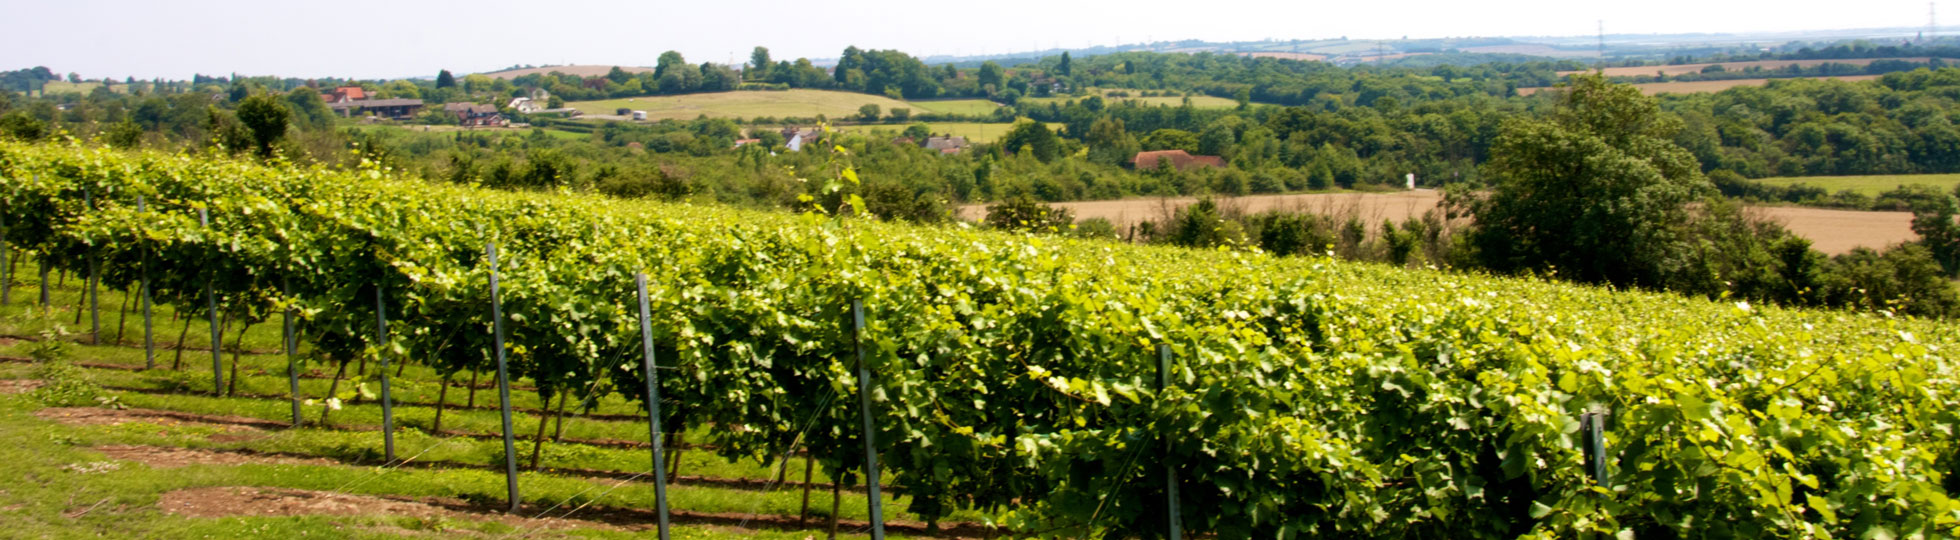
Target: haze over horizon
x: 418, y: 38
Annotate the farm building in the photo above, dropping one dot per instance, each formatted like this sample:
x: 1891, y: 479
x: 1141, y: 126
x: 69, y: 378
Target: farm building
x: 396, y: 109
x: 948, y: 145
x: 344, y: 94
x: 794, y: 138
x: 524, y: 105
x: 1179, y: 159
x: 474, y: 114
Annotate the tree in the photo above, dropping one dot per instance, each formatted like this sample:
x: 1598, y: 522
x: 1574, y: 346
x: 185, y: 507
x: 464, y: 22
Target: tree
x: 991, y: 76
x: 918, y: 132
x: 1064, y: 68
x: 1034, y: 138
x: 445, y: 80
x: 759, y: 65
x: 900, y: 114
x: 618, y: 76
x: 1109, y: 143
x: 1597, y: 192
x: 670, y: 62
x: 1934, y: 222
x: 23, y: 126
x: 1024, y: 213
x: 868, y: 112
x: 266, y: 118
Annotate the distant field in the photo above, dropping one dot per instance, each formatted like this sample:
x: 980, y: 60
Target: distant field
x: 1202, y: 102
x: 1287, y: 56
x: 1871, y: 185
x: 1693, y: 87
x: 1734, y: 66
x: 582, y: 71
x: 63, y: 87
x: 968, y: 107
x: 974, y: 132
x: 744, y: 104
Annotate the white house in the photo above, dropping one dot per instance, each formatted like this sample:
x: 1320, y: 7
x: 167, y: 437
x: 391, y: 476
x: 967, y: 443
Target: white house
x: 524, y: 105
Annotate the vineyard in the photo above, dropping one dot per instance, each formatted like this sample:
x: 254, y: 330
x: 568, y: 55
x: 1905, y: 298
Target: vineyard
x: 1032, y: 386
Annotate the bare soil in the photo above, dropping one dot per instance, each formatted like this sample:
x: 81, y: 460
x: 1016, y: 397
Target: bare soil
x: 95, y: 416
x: 159, y: 457
x: 1833, y: 232
x: 19, y: 386
x: 212, y: 502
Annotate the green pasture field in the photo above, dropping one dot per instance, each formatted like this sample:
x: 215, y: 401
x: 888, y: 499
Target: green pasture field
x: 1199, y: 101
x: 968, y: 107
x: 975, y: 132
x: 1869, y: 185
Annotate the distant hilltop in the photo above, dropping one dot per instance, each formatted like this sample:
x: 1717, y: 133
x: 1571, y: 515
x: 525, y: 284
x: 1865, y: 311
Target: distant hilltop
x: 579, y: 70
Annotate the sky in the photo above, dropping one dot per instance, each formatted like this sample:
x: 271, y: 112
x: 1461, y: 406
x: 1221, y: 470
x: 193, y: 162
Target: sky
x: 175, y: 39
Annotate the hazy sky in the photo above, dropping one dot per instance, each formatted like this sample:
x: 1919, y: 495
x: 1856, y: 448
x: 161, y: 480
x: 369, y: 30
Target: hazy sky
x: 399, y: 38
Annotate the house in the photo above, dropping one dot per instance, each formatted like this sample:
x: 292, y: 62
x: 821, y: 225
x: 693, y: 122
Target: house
x: 1179, y: 159
x: 394, y: 109
x: 524, y: 105
x: 946, y: 146
x: 344, y: 94
x: 476, y: 114
x: 794, y: 138
x: 745, y: 142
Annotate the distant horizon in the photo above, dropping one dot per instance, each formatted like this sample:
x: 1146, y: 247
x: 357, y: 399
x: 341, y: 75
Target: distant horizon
x: 219, y: 37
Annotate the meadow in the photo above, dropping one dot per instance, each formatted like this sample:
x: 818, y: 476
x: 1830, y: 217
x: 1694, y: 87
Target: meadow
x: 1868, y: 185
x: 1697, y: 87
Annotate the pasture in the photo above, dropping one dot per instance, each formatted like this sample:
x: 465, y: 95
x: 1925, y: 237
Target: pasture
x: 1868, y: 185
x: 744, y: 104
x: 975, y: 132
x: 1198, y: 101
x: 965, y: 107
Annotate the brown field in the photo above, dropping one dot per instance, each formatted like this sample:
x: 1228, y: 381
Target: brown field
x: 1733, y: 66
x: 1830, y: 231
x: 582, y: 71
x: 1286, y: 55
x: 1694, y: 87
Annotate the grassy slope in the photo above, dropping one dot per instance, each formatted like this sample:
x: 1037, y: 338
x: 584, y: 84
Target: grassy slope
x: 1869, y: 185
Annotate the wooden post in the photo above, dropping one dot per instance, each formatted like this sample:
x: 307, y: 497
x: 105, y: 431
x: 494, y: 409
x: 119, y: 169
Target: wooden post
x: 870, y: 435
x: 503, y: 380
x: 6, y: 266
x: 653, y: 403
x: 211, y: 302
x: 1175, y: 521
x: 381, y: 351
x: 804, y: 516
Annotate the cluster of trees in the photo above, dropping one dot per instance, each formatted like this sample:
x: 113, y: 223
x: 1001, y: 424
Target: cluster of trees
x: 1901, y: 124
x: 1597, y: 192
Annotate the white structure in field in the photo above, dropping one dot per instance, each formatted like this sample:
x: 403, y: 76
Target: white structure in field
x: 1412, y: 181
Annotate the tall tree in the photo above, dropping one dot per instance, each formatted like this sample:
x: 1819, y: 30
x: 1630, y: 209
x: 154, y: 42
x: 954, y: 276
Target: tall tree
x: 1597, y: 192
x: 445, y: 80
x: 991, y: 76
x: 670, y: 61
x: 266, y: 118
x: 1065, y: 68
x: 759, y: 65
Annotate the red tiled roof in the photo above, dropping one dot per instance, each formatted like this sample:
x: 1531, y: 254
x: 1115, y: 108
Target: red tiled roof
x: 1180, y: 159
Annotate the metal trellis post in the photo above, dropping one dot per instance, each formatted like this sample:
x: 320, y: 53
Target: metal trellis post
x: 381, y: 354
x: 503, y: 380
x: 653, y: 404
x: 1175, y: 524
x: 217, y: 337
x: 870, y: 435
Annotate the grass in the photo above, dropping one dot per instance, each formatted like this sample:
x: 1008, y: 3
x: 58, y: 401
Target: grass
x: 974, y: 132
x: 50, y: 499
x: 966, y: 107
x: 744, y: 104
x: 1869, y: 185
